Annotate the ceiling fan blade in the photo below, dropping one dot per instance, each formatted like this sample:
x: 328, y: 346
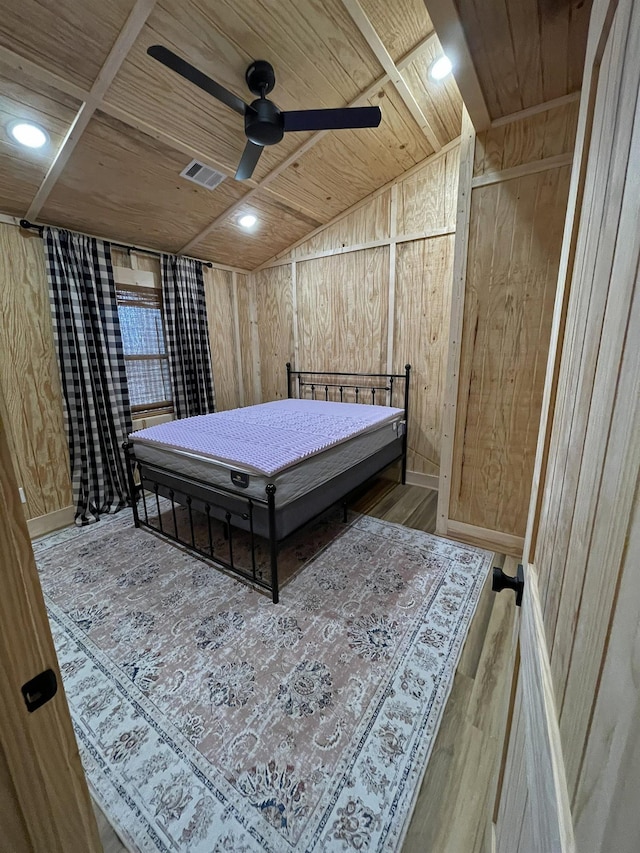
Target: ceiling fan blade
x: 340, y: 119
x: 248, y: 161
x: 185, y: 69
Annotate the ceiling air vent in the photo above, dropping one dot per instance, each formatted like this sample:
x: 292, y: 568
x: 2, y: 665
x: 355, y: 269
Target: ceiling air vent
x: 203, y: 175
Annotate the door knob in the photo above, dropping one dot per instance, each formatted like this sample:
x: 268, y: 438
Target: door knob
x: 501, y: 581
x: 40, y: 689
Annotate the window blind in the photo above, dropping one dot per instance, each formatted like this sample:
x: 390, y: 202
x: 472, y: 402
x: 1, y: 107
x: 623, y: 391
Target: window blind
x: 140, y: 313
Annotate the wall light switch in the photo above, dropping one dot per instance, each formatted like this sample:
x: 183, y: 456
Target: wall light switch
x: 23, y: 497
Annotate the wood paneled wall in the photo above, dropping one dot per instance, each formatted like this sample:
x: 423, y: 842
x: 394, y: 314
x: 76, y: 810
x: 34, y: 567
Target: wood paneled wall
x: 248, y: 367
x: 514, y: 208
x: 29, y: 377
x: 507, y: 322
x: 368, y: 222
x: 423, y: 298
x: 31, y: 403
x: 369, y: 292
x: 274, y: 318
x: 136, y: 261
x: 342, y: 311
x: 220, y: 292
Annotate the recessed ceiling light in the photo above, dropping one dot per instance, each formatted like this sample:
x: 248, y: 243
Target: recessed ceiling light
x: 440, y: 68
x: 248, y: 220
x: 27, y: 133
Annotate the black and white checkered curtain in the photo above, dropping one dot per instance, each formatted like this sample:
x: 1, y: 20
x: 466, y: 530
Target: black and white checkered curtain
x: 187, y: 336
x: 92, y: 369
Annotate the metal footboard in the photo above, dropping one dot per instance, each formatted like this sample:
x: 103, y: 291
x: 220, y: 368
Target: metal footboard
x: 214, y: 503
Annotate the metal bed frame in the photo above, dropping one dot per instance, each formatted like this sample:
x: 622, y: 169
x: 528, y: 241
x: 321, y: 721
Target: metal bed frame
x: 262, y: 517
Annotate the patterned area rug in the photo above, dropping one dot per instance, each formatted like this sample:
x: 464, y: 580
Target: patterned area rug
x: 209, y: 719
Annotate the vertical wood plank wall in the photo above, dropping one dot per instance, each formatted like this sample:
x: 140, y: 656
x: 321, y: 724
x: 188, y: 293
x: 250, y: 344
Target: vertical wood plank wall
x: 249, y: 367
x: 328, y: 303
x: 423, y: 301
x: 519, y: 194
x: 586, y: 547
x: 342, y: 311
x: 29, y: 377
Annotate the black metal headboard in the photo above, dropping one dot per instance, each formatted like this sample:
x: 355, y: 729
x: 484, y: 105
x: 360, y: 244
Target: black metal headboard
x: 382, y: 389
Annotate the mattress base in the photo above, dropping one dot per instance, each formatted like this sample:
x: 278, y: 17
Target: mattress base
x: 288, y: 517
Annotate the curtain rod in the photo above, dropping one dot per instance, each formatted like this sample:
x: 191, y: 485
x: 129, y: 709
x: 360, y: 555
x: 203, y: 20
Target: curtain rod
x: 24, y: 223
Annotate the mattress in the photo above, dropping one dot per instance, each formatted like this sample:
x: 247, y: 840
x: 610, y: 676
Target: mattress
x: 294, y: 444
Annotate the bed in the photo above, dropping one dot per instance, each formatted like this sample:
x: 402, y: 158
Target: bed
x: 265, y: 471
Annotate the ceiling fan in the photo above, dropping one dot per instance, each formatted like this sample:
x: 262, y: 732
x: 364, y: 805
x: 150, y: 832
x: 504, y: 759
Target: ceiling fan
x: 264, y: 123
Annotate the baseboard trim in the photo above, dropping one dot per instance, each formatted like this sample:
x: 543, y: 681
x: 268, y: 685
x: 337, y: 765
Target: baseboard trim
x: 492, y: 540
x: 51, y: 521
x: 427, y: 481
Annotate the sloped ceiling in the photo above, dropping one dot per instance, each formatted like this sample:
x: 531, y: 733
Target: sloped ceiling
x: 122, y: 127
x: 136, y: 125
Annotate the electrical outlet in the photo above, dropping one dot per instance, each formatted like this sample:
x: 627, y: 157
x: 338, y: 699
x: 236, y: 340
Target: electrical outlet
x: 23, y: 497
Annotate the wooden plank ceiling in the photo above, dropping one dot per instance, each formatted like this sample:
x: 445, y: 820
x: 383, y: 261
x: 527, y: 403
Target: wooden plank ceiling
x: 526, y: 51
x: 122, y: 126
x: 511, y: 55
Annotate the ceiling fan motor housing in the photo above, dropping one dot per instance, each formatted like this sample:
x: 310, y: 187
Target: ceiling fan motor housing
x: 260, y: 77
x: 263, y: 123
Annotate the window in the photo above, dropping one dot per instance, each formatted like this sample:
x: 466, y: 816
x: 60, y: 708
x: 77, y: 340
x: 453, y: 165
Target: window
x: 140, y: 313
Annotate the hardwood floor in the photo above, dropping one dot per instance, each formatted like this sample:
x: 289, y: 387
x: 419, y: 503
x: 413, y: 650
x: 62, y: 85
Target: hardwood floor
x: 454, y: 806
x: 111, y: 842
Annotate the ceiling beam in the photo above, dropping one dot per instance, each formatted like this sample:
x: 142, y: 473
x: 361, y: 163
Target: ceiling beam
x: 537, y: 109
x: 118, y: 53
x: 446, y: 20
x: 374, y: 41
x: 415, y: 52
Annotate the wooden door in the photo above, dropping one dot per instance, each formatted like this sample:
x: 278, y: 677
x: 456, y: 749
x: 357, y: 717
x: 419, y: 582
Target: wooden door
x: 577, y: 696
x: 44, y: 802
